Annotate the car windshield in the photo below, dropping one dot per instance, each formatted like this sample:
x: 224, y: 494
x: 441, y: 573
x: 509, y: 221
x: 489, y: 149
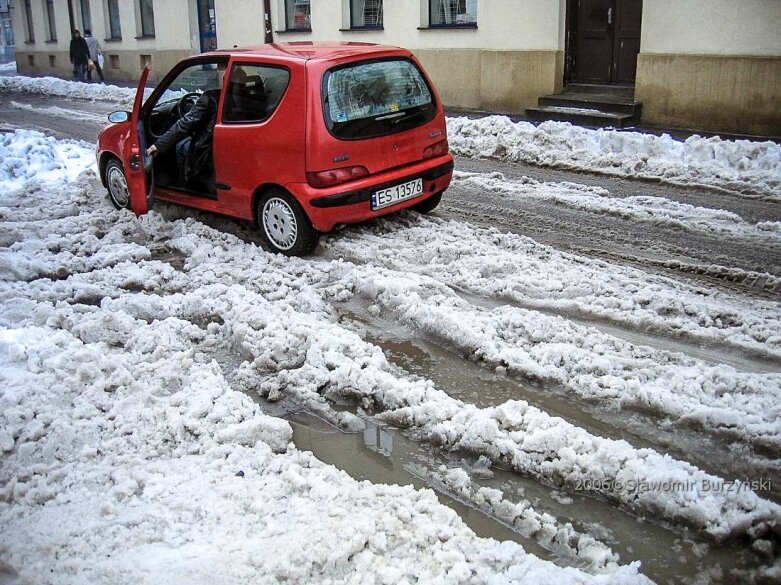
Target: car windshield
x: 195, y: 79
x: 376, y: 98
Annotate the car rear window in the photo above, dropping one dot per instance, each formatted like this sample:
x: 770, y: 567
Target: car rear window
x: 376, y: 98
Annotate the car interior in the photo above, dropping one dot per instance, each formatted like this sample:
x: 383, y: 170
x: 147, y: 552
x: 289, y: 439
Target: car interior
x: 253, y: 92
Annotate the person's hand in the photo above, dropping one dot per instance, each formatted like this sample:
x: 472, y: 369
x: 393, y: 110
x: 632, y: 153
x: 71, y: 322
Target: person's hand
x: 151, y: 151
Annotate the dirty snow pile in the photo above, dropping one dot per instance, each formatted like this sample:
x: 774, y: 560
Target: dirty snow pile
x: 741, y: 165
x: 126, y: 456
x: 29, y: 157
x: 70, y: 89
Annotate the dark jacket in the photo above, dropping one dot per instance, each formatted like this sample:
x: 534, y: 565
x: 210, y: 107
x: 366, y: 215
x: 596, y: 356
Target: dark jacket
x: 199, y: 124
x: 79, y: 51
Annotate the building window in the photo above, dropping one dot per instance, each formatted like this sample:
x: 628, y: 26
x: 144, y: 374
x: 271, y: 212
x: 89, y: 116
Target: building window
x: 51, y: 21
x: 112, y: 13
x: 454, y: 13
x: 86, y: 16
x: 29, y: 33
x: 297, y: 15
x: 145, y: 16
x: 365, y: 13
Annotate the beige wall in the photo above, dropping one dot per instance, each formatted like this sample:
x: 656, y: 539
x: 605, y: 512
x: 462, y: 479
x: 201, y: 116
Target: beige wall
x: 125, y: 57
x: 712, y: 27
x: 711, y: 65
x: 711, y: 92
x: 496, y: 81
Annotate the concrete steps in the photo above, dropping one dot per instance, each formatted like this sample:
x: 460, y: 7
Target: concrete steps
x: 590, y: 105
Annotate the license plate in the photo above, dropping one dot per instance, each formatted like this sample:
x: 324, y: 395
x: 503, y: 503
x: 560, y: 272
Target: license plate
x: 397, y: 193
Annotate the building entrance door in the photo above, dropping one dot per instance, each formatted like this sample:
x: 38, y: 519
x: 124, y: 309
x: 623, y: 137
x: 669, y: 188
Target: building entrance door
x: 603, y: 40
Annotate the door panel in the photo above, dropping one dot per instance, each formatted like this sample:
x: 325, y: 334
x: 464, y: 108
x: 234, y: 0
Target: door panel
x: 135, y: 162
x: 250, y: 154
x: 594, y: 41
x: 627, y: 40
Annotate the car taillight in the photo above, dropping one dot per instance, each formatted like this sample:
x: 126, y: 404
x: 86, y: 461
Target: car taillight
x: 323, y: 179
x: 437, y: 149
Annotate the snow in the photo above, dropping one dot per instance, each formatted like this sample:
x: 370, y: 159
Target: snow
x: 70, y: 89
x: 131, y: 450
x: 128, y: 456
x: 740, y: 165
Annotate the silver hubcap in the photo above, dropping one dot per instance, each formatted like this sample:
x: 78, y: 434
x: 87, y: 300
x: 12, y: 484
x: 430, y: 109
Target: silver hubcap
x: 280, y: 224
x: 117, y: 186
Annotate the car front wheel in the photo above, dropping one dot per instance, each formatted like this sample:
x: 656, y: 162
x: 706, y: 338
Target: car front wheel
x: 284, y: 225
x: 116, y: 183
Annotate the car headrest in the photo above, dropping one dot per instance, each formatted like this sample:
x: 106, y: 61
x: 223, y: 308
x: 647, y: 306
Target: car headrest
x: 254, y: 88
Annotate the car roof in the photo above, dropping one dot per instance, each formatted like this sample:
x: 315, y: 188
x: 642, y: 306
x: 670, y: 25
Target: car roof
x: 311, y: 50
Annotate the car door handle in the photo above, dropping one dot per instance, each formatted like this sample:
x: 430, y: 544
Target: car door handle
x: 222, y: 186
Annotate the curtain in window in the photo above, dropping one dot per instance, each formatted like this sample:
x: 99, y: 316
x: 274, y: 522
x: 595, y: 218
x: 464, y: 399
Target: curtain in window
x: 453, y: 12
x: 366, y: 13
x: 147, y: 18
x: 298, y: 14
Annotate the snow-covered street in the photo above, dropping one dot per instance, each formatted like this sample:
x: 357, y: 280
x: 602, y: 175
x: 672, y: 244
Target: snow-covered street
x: 164, y: 378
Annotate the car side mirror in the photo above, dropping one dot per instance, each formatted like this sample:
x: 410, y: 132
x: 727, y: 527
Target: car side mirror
x: 117, y: 117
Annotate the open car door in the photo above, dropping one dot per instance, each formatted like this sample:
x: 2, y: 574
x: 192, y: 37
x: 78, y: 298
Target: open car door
x: 140, y: 181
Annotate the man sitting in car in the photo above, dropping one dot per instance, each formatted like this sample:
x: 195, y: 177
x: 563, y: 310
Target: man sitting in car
x: 193, y: 137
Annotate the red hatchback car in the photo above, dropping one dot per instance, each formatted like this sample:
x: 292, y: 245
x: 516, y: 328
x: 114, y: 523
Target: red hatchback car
x: 307, y: 136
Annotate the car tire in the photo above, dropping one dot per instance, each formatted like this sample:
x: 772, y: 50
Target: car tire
x: 429, y: 204
x: 116, y: 184
x: 284, y: 225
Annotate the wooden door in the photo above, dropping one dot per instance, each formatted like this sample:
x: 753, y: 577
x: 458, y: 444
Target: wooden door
x: 626, y: 40
x: 603, y: 40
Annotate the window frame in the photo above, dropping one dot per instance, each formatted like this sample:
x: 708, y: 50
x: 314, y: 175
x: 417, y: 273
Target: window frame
x: 27, y: 15
x: 85, y: 16
x: 435, y: 4
x: 50, y: 19
x: 110, y: 23
x: 229, y: 86
x: 379, y: 26
x: 143, y: 19
x: 434, y: 104
x: 291, y: 27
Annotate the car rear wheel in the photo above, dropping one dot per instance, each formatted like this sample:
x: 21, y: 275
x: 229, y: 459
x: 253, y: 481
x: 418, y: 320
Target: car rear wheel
x: 284, y: 225
x: 116, y: 183
x: 429, y: 204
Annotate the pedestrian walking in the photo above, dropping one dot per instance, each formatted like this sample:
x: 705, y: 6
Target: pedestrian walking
x: 79, y: 54
x: 94, y: 54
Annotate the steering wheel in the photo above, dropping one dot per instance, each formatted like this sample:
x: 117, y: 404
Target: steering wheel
x: 185, y: 104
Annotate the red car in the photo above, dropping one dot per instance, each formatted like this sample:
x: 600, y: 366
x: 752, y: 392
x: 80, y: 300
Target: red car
x: 307, y: 136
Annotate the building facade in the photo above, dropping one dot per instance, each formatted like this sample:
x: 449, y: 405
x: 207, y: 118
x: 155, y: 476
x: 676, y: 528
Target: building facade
x: 705, y: 64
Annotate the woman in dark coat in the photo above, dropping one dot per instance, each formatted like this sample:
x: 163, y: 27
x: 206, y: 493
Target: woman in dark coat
x: 79, y: 53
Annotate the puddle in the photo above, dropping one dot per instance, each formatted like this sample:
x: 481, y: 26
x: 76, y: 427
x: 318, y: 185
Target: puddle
x: 472, y: 383
x: 382, y: 454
